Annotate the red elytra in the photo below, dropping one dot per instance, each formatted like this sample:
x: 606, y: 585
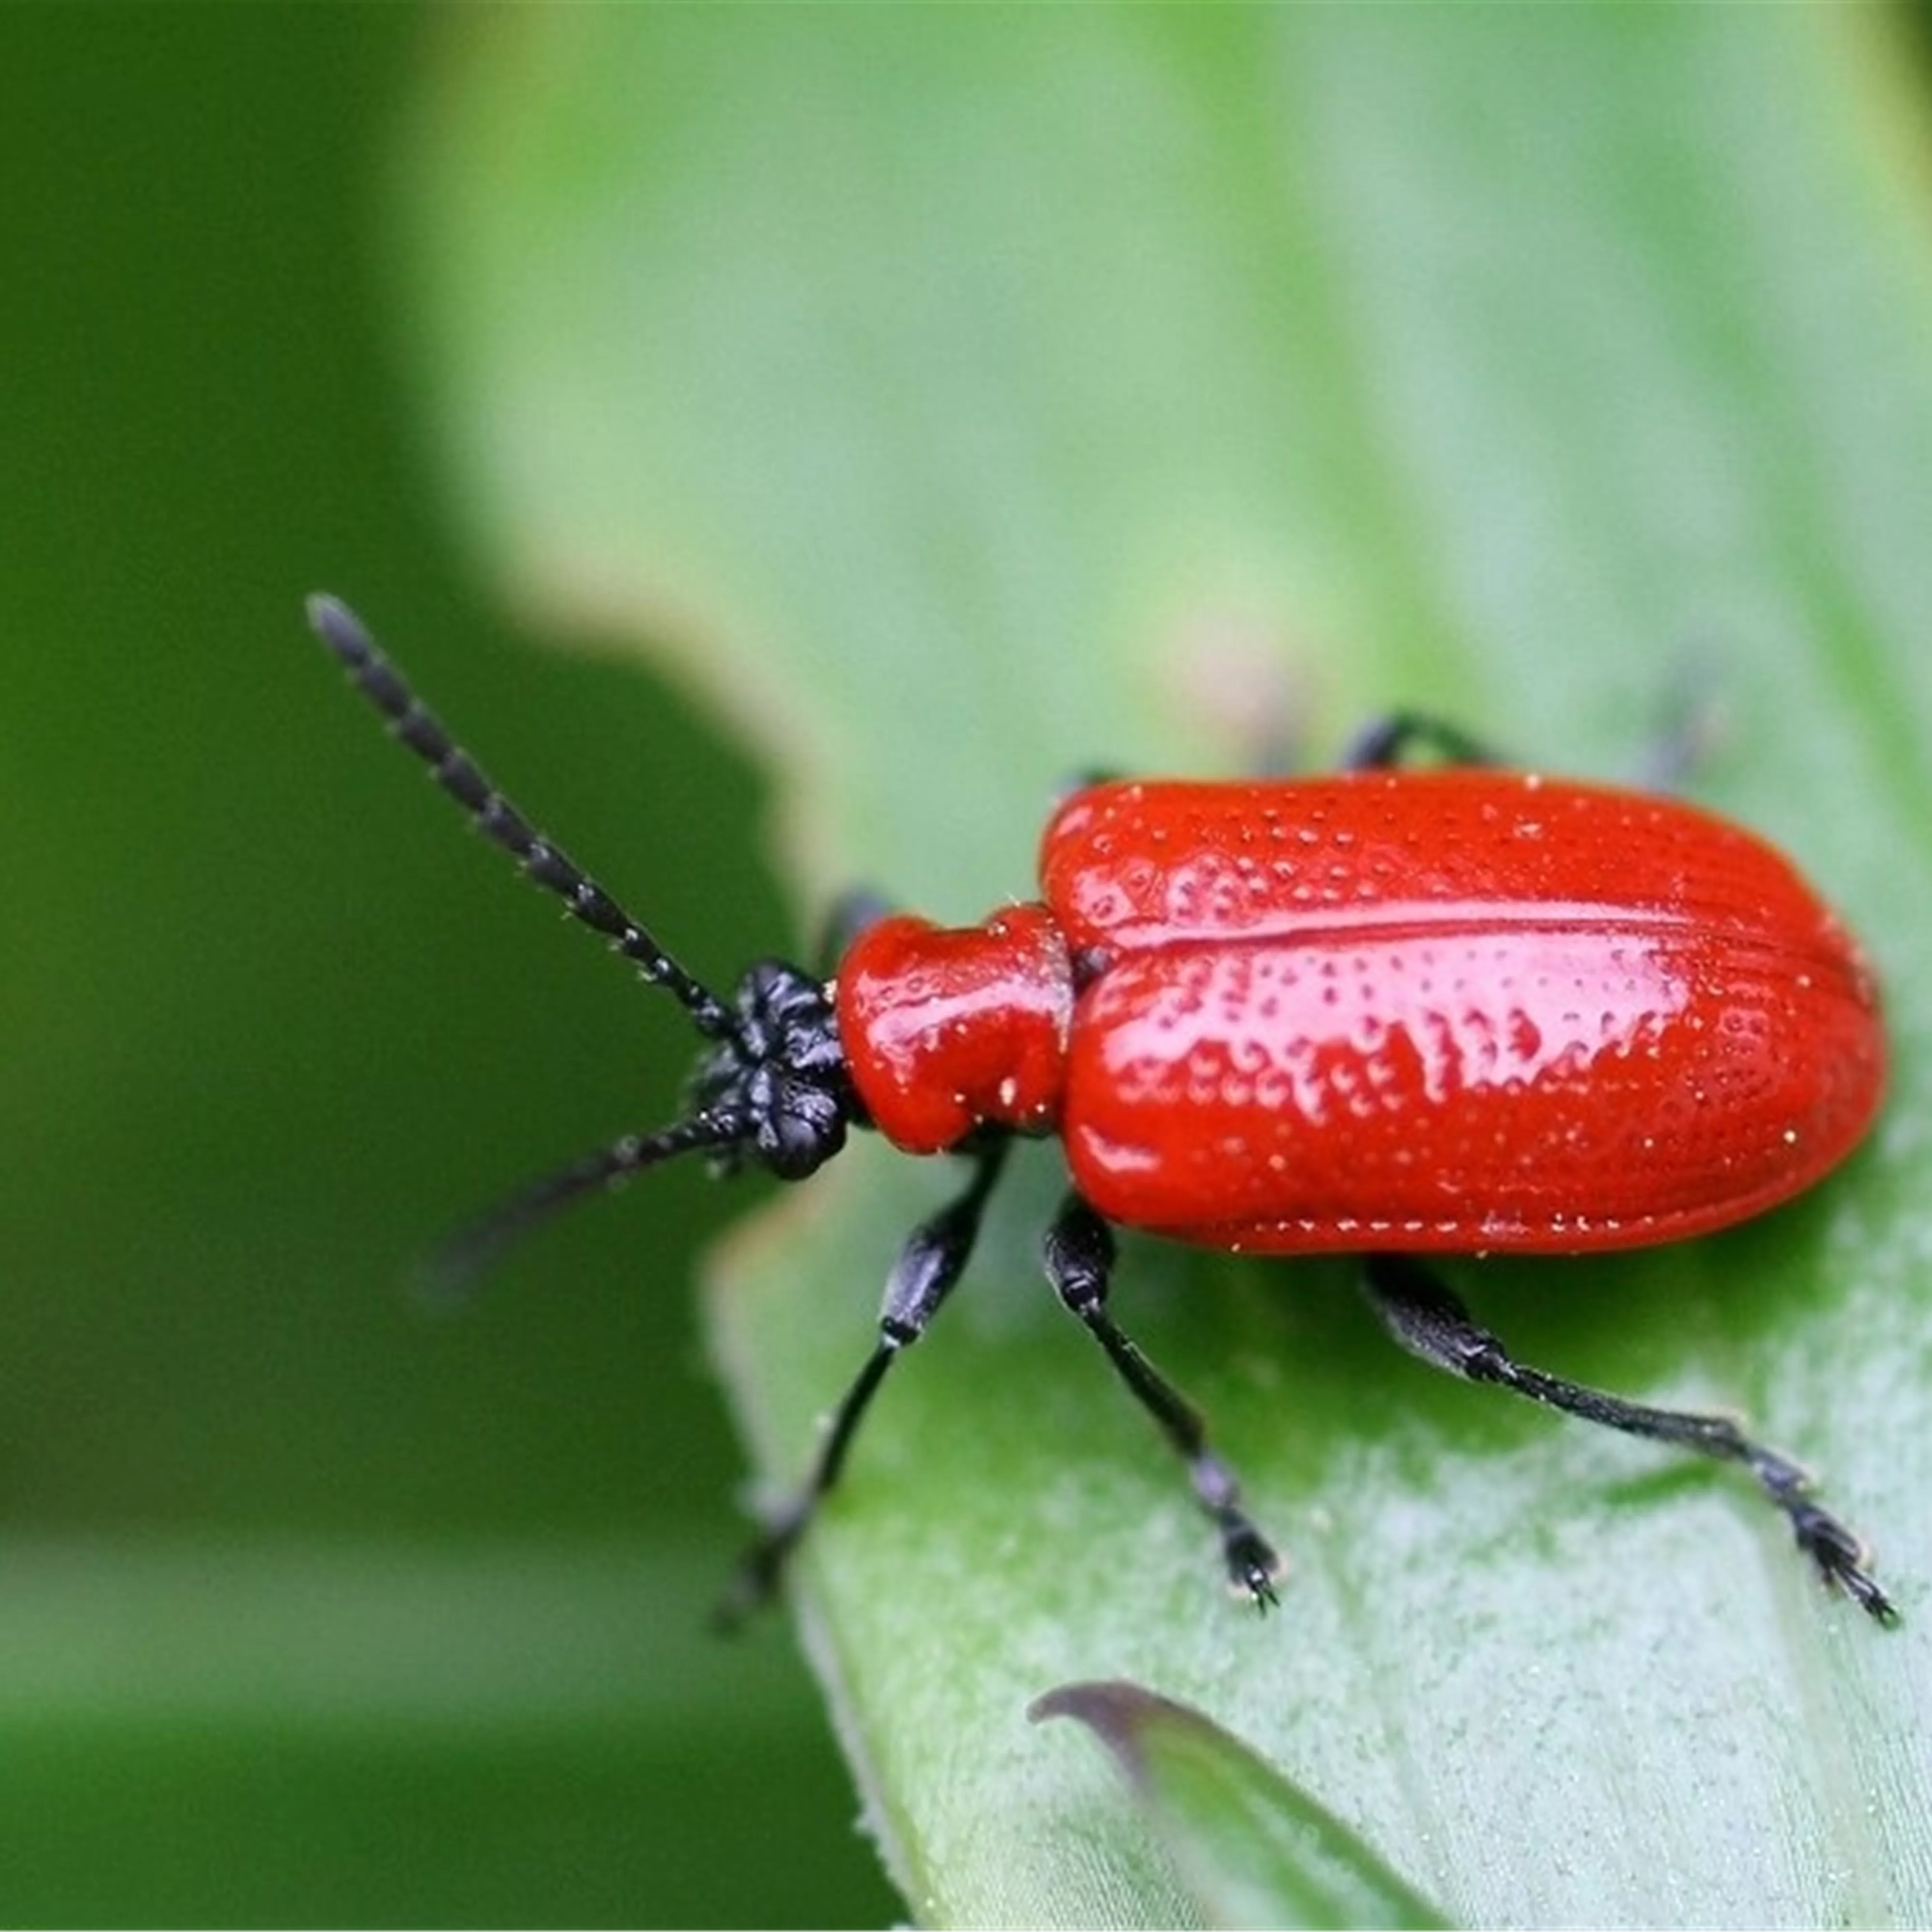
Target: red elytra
x: 1393, y: 1011
x: 1447, y: 1010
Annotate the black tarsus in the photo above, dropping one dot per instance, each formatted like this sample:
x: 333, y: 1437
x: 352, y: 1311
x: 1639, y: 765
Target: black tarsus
x: 1432, y: 1323
x: 930, y: 1263
x: 1079, y: 1258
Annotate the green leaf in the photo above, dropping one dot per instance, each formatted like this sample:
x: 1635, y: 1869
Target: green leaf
x: 965, y: 397
x: 1256, y: 1851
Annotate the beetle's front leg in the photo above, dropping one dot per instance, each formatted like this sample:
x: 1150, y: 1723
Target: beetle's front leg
x: 1079, y: 1258
x: 933, y: 1257
x: 1432, y: 1323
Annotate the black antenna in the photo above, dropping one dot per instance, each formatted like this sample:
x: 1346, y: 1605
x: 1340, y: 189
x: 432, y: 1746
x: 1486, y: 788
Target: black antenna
x: 473, y: 1249
x: 770, y: 1089
x: 411, y: 722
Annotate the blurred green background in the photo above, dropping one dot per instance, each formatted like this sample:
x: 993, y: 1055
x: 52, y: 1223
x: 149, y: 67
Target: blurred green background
x: 313, y: 1609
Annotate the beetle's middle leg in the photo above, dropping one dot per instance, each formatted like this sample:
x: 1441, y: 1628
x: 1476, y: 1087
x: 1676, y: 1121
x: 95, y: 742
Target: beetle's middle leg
x: 1079, y: 1258
x: 1432, y: 1323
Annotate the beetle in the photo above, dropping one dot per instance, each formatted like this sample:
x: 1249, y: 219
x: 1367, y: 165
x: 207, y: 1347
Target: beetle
x: 1403, y: 1010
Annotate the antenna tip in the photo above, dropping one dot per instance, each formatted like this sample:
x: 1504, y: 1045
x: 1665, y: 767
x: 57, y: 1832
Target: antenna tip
x: 337, y: 626
x: 449, y: 1279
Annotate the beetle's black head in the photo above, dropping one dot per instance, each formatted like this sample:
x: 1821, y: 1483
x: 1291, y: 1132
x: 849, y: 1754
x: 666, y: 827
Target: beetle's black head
x: 779, y: 1074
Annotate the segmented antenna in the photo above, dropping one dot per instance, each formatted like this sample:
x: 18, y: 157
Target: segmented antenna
x: 458, y: 1262
x: 459, y: 774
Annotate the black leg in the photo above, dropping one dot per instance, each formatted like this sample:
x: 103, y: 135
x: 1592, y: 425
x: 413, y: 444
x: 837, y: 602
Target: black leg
x: 1432, y: 1323
x: 851, y: 913
x: 1390, y: 741
x: 1690, y: 728
x: 933, y: 1257
x: 1079, y: 1263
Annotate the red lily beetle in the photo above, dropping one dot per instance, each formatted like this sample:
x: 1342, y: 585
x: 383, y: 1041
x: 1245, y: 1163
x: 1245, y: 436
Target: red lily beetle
x: 1395, y: 1011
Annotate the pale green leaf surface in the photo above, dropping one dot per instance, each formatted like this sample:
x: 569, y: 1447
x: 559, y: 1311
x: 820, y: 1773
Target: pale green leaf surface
x: 968, y: 397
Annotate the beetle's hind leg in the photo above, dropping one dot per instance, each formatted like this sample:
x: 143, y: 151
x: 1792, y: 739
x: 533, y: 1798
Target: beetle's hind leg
x: 1385, y: 744
x: 1432, y: 1323
x: 1691, y: 725
x: 1079, y: 1258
